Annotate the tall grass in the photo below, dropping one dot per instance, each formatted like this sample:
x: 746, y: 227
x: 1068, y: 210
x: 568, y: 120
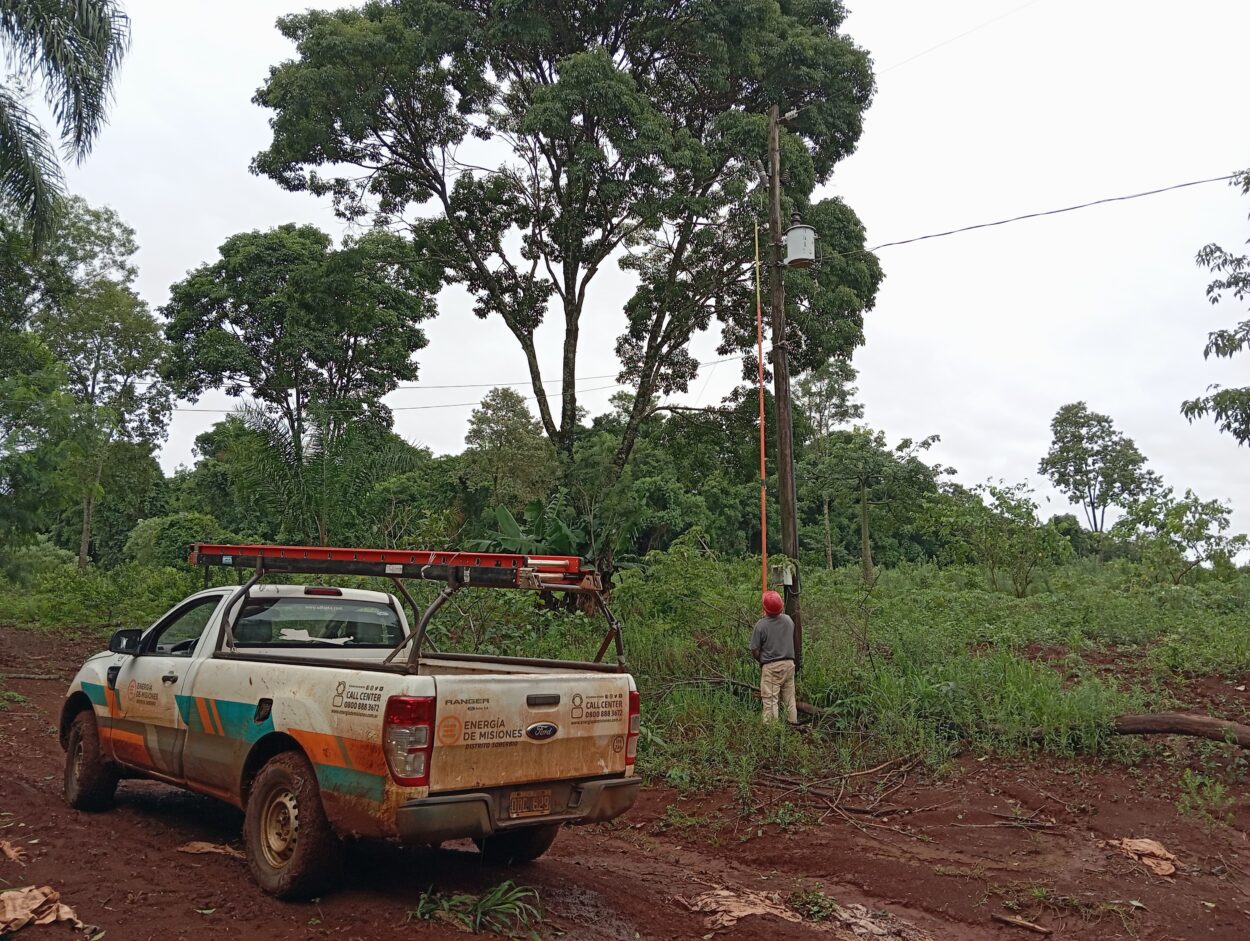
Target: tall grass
x: 928, y: 662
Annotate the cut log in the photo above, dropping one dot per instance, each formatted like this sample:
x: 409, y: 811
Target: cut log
x: 1179, y: 723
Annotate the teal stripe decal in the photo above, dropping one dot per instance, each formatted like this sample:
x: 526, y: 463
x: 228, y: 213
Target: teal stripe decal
x: 352, y: 782
x: 95, y: 692
x: 238, y: 719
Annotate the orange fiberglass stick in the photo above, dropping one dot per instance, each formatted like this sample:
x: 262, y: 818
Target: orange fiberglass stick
x: 759, y: 340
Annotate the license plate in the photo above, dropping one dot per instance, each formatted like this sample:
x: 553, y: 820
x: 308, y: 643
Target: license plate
x: 529, y: 803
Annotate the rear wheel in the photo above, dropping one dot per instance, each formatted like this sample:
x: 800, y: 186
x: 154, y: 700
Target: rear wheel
x: 517, y: 847
x: 90, y: 778
x: 291, y: 849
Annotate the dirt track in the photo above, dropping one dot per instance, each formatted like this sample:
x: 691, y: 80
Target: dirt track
x: 953, y: 855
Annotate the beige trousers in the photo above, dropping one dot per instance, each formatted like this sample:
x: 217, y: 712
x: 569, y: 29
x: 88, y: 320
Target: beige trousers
x: 777, y: 684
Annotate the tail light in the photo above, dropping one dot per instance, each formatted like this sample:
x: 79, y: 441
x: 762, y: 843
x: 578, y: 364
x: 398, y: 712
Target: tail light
x: 408, y: 739
x: 635, y: 723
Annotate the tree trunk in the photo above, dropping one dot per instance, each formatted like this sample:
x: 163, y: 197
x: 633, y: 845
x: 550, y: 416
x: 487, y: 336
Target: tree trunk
x: 865, y: 546
x: 828, y: 537
x: 1178, y: 723
x: 84, y: 541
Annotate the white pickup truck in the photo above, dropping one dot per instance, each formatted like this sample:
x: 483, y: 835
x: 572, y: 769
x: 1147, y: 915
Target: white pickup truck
x: 292, y: 703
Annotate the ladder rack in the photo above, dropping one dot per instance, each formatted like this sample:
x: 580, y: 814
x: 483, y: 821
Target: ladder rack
x: 476, y: 569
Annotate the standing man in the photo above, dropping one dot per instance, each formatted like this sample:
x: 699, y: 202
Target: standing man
x: 772, y: 646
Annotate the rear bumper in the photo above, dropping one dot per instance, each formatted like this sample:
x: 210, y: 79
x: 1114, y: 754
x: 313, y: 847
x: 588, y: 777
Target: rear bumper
x: 479, y: 813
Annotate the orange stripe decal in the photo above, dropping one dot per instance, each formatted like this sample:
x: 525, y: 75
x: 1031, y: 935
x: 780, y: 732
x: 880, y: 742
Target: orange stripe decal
x: 212, y: 705
x: 204, y: 717
x: 365, y: 756
x: 340, y: 752
x: 131, y: 748
x: 323, y: 749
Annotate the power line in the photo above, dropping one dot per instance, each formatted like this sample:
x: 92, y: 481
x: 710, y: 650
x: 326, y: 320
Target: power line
x: 968, y: 32
x: 1045, y: 212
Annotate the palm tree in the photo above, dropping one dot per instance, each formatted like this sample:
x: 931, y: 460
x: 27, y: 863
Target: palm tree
x: 72, y: 48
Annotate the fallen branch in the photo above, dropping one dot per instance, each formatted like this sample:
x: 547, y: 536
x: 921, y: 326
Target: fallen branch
x: 29, y: 676
x: 1179, y: 723
x: 1019, y: 923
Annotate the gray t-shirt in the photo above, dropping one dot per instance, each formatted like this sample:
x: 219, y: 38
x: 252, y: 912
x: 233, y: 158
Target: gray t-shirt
x: 773, y: 637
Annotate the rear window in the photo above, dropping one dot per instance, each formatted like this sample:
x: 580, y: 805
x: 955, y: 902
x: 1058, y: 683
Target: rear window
x: 316, y: 622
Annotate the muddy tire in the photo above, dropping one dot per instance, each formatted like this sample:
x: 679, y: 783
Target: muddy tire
x: 90, y: 778
x: 291, y: 849
x: 517, y: 847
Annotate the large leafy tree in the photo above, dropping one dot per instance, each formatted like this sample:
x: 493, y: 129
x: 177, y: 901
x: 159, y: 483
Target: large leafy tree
x: 54, y: 308
x: 112, y: 349
x: 315, y: 335
x: 1229, y: 407
x: 505, y: 450
x: 72, y: 49
x: 1094, y: 464
x: 524, y: 146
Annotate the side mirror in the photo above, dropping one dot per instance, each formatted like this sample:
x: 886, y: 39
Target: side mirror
x: 125, y: 641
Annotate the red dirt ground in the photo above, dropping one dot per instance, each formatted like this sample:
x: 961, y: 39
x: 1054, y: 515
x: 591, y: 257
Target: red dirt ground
x: 948, y: 858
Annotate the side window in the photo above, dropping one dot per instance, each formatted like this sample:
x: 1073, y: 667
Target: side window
x: 178, y: 634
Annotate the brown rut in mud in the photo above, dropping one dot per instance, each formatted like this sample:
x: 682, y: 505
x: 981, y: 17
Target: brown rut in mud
x: 1023, y: 841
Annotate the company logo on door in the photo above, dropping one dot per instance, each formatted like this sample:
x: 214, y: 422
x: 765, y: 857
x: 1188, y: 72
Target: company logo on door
x: 142, y: 694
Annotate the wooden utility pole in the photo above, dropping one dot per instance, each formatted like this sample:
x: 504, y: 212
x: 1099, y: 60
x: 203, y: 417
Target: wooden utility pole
x: 781, y: 384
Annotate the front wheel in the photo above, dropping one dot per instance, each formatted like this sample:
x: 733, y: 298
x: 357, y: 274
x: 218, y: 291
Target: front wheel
x: 90, y: 778
x: 291, y: 849
x: 517, y: 847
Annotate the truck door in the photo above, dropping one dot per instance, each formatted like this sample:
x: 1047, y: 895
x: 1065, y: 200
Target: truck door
x: 149, y: 732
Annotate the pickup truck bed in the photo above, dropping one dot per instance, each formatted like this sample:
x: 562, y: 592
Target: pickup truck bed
x: 502, y: 750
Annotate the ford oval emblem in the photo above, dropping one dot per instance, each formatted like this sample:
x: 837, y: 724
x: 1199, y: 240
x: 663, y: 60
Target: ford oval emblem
x: 541, y: 731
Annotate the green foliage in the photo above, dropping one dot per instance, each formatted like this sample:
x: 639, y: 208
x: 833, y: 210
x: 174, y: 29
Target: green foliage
x: 1229, y: 407
x: 164, y: 541
x: 1094, y: 464
x: 1177, y: 535
x: 813, y: 904
x: 314, y: 334
x: 858, y: 467
x: 313, y: 489
x: 505, y: 910
x: 21, y: 565
x: 998, y: 526
x: 94, y: 599
x: 1204, y: 797
x: 544, y: 531
x: 506, y: 452
x: 75, y: 50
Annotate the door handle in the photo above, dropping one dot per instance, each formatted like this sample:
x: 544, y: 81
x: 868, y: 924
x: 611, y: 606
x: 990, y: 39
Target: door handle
x: 169, y: 678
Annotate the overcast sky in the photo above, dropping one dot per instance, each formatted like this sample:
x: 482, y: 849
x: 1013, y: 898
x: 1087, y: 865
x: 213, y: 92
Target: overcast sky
x: 978, y: 337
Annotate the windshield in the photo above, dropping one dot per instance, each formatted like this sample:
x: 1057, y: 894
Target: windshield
x: 287, y: 622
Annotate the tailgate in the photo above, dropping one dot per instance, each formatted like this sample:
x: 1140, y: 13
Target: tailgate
x: 492, y: 730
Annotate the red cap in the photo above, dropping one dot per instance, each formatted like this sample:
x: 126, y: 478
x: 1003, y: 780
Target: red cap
x: 773, y: 604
